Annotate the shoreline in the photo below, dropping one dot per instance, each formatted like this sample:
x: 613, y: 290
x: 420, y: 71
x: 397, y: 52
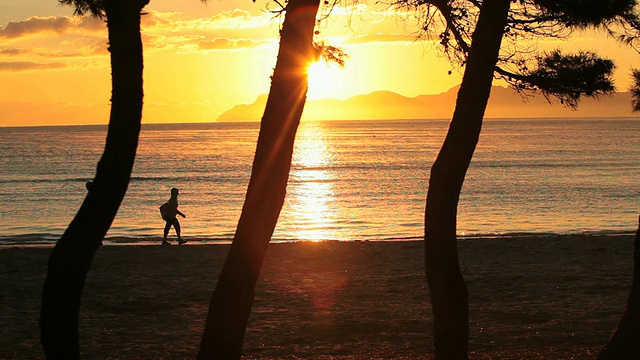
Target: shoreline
x: 529, y: 299
x: 35, y: 241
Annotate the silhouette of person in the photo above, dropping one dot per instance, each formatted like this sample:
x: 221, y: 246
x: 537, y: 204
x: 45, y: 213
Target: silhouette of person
x: 169, y: 211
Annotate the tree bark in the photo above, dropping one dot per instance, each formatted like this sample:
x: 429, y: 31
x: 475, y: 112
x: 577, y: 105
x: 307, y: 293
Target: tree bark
x: 72, y: 255
x: 624, y: 344
x: 448, y: 291
x: 232, y: 299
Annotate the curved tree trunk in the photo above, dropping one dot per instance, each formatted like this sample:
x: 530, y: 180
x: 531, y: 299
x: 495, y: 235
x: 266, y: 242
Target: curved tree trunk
x: 625, y: 341
x: 72, y: 255
x: 232, y: 299
x: 448, y: 291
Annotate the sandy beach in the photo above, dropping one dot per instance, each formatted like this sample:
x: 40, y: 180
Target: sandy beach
x: 530, y: 298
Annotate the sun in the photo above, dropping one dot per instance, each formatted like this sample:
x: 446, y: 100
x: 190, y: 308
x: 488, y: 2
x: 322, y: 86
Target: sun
x: 324, y: 80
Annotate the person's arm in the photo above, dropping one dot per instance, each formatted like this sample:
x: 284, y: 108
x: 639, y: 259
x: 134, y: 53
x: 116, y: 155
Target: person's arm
x: 181, y: 214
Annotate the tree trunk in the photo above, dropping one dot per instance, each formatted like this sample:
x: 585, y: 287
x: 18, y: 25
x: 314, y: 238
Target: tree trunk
x: 72, y: 255
x: 625, y: 341
x: 232, y: 299
x: 448, y: 291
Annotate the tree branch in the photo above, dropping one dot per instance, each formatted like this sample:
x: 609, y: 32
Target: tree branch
x: 446, y: 10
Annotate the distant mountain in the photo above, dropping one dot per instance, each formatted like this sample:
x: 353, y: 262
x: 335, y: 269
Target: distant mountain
x: 504, y: 103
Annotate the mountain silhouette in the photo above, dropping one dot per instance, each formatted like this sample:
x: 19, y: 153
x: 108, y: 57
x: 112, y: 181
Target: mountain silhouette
x: 504, y: 103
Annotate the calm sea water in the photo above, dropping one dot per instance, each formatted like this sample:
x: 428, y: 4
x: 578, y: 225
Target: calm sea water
x: 350, y: 180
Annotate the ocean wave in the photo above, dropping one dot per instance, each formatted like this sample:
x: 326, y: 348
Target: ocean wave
x: 84, y: 179
x: 42, y: 180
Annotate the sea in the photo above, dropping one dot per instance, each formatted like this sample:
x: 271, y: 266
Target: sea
x: 350, y: 180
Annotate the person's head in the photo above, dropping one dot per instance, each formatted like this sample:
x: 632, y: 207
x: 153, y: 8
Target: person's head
x: 174, y: 192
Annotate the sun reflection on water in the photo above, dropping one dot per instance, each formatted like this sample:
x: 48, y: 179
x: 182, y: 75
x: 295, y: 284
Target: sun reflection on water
x: 311, y: 192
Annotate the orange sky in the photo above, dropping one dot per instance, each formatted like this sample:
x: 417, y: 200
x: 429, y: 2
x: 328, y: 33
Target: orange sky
x: 201, y: 60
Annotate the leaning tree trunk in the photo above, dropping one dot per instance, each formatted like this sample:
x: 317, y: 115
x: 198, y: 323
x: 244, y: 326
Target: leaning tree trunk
x: 232, y: 299
x: 72, y: 255
x: 624, y: 344
x: 448, y: 291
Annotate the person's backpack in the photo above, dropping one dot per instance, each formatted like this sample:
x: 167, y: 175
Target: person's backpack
x: 163, y: 210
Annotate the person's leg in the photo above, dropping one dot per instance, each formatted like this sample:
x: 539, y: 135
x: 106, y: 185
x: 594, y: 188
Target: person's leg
x: 176, y: 225
x: 167, y: 226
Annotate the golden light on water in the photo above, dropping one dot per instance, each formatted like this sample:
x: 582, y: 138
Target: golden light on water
x: 312, y: 194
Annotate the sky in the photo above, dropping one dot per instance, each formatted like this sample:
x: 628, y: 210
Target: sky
x: 202, y: 59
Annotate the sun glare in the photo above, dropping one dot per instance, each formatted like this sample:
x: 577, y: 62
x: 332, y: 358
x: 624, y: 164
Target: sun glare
x: 312, y: 190
x: 323, y: 80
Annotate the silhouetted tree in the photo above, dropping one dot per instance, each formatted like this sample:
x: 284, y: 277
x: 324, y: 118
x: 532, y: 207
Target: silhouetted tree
x: 72, y: 255
x: 447, y: 288
x: 635, y: 91
x: 624, y: 344
x: 233, y: 296
x: 566, y: 77
x: 625, y: 341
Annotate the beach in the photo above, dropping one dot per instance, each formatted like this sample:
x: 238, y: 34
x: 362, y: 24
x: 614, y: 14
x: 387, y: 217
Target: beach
x: 555, y: 297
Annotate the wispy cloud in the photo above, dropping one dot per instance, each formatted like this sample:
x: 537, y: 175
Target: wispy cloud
x: 170, y: 31
x: 232, y: 29
x: 379, y: 38
x: 28, y: 65
x: 227, y: 20
x: 60, y: 25
x: 219, y: 43
x: 86, y: 49
x: 12, y: 51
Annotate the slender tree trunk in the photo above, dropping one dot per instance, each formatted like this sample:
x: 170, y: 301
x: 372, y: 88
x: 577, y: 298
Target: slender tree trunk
x: 624, y: 344
x: 448, y: 291
x: 233, y: 297
x: 72, y: 255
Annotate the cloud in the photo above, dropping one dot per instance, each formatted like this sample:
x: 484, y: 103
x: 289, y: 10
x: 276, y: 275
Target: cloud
x: 91, y: 24
x: 80, y: 50
x: 60, y: 25
x: 33, y: 25
x: 236, y: 19
x: 12, y: 51
x: 182, y: 43
x: 171, y: 31
x: 153, y: 21
x: 155, y: 18
x: 231, y: 19
x: 233, y: 29
x: 379, y: 38
x: 218, y: 44
x: 97, y: 47
x: 86, y: 36
x: 28, y: 65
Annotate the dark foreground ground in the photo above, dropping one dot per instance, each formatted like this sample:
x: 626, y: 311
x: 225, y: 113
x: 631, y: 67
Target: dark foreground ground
x: 530, y: 298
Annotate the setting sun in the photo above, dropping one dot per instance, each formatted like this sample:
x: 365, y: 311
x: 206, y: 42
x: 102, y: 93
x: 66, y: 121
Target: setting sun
x: 324, y: 80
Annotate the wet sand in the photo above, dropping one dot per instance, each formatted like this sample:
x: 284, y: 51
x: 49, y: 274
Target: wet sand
x: 530, y: 298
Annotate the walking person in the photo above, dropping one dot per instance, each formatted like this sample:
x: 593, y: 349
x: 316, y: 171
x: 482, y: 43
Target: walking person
x: 169, y: 212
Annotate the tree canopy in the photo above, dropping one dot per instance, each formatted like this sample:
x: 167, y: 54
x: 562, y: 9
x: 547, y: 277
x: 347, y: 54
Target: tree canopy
x: 555, y: 74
